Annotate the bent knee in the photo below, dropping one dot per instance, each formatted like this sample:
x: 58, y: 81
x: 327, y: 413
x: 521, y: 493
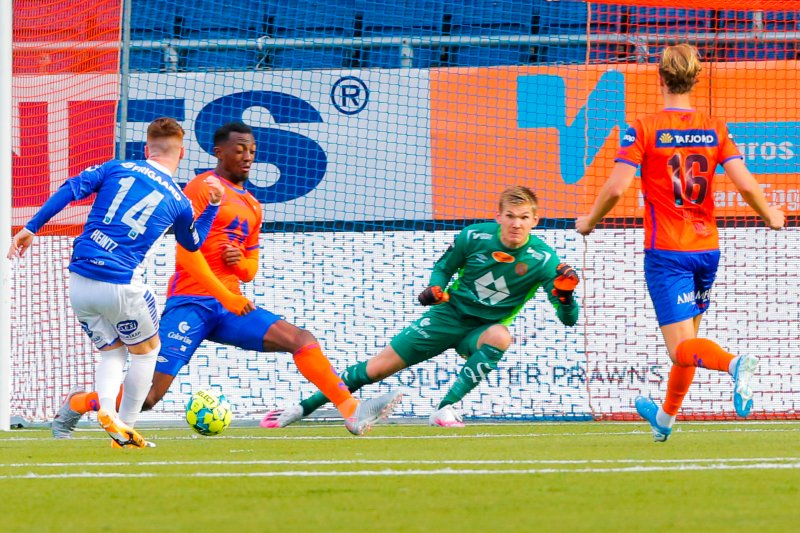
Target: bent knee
x: 497, y: 336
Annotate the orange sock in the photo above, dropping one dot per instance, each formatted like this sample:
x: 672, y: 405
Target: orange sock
x: 703, y: 353
x: 680, y: 378
x: 83, y: 402
x: 317, y: 369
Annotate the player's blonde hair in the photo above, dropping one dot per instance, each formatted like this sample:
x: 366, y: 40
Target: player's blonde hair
x: 680, y: 67
x: 518, y: 195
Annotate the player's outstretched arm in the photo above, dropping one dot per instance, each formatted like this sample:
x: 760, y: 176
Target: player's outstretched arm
x: 561, y: 293
x: 751, y: 191
x: 196, y: 265
x: 191, y: 233
x: 618, y: 182
x: 24, y: 237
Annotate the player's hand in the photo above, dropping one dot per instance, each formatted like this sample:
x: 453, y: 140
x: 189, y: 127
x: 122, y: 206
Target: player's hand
x: 231, y: 255
x: 583, y: 225
x: 433, y: 296
x: 238, y: 304
x: 249, y: 306
x: 776, y: 219
x: 565, y: 283
x: 215, y: 189
x: 19, y: 243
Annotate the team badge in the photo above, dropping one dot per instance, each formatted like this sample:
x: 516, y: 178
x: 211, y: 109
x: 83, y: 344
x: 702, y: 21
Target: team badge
x: 521, y: 269
x: 502, y: 257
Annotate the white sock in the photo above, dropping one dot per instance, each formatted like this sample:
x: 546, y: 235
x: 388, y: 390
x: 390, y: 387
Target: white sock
x: 137, y: 385
x: 663, y: 419
x: 732, y: 366
x: 108, y: 376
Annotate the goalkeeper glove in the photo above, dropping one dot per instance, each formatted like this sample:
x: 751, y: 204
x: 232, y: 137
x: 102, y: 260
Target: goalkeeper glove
x: 565, y: 283
x: 432, y: 296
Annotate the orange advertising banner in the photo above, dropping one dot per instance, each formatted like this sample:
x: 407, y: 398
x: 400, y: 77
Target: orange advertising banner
x: 557, y: 129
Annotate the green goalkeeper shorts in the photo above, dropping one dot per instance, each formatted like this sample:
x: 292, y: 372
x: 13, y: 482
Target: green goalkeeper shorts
x: 440, y: 328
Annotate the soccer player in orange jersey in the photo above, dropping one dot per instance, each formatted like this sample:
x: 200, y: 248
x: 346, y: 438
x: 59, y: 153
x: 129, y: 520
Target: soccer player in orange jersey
x: 205, y: 301
x: 679, y: 149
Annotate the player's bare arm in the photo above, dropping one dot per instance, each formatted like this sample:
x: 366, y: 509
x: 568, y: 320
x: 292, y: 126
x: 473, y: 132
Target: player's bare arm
x: 621, y: 177
x: 751, y: 192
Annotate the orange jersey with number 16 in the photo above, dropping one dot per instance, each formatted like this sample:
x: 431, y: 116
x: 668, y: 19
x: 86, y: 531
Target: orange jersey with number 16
x: 238, y: 223
x: 678, y: 150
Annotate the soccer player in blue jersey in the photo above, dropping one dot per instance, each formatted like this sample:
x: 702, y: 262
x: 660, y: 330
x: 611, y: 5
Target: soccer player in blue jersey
x: 136, y: 203
x: 498, y: 266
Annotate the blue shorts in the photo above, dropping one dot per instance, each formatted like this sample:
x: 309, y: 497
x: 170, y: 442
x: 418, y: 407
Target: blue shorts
x: 189, y: 320
x: 680, y: 283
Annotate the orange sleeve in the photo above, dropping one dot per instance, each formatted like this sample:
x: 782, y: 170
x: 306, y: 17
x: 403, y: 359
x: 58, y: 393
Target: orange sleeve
x: 247, y: 266
x: 196, y: 265
x: 728, y: 148
x: 633, y: 145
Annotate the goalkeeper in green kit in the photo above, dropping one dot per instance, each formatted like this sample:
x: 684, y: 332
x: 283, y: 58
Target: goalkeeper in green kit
x: 499, y: 267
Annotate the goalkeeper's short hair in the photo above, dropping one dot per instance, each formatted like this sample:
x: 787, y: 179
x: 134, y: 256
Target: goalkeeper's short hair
x: 518, y: 195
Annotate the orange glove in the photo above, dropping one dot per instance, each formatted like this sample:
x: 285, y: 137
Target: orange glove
x: 565, y: 283
x: 433, y: 296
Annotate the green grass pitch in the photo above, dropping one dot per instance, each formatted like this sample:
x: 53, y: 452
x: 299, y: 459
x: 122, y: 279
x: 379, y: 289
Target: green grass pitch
x: 485, y: 477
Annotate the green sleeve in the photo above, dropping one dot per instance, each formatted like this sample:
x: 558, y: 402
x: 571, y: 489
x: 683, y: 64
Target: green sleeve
x: 567, y: 314
x: 450, y: 262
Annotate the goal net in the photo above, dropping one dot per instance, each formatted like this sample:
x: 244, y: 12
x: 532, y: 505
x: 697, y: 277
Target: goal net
x: 382, y: 129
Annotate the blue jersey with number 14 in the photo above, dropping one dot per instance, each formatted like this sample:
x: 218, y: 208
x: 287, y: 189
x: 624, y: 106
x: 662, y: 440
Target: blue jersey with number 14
x: 136, y: 204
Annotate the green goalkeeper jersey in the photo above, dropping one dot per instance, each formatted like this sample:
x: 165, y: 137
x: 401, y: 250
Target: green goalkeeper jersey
x: 493, y: 282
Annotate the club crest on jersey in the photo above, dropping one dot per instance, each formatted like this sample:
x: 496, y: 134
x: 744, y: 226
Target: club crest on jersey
x: 237, y: 230
x: 521, y: 269
x: 685, y: 138
x: 502, y: 257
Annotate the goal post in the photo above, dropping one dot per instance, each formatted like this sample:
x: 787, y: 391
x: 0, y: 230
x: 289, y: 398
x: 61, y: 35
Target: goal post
x: 382, y: 129
x: 5, y: 214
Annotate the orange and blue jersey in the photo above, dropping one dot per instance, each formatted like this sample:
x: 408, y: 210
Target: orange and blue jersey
x: 678, y: 150
x: 238, y: 223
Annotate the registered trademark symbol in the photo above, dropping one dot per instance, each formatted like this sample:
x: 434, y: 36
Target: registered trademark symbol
x: 350, y: 95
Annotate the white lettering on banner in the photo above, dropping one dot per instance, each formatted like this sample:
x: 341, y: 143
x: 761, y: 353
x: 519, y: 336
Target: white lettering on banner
x: 769, y: 150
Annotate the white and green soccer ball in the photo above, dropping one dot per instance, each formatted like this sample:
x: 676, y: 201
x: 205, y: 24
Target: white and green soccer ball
x: 207, y: 413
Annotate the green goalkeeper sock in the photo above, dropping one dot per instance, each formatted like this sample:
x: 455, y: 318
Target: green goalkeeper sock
x: 354, y: 377
x: 475, y: 369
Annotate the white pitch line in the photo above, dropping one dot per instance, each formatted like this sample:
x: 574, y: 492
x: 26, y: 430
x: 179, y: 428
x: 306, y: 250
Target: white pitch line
x: 371, y: 437
x: 330, y: 462
x: 437, y: 472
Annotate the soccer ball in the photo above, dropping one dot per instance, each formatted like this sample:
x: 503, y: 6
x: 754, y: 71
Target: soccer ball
x: 207, y: 413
